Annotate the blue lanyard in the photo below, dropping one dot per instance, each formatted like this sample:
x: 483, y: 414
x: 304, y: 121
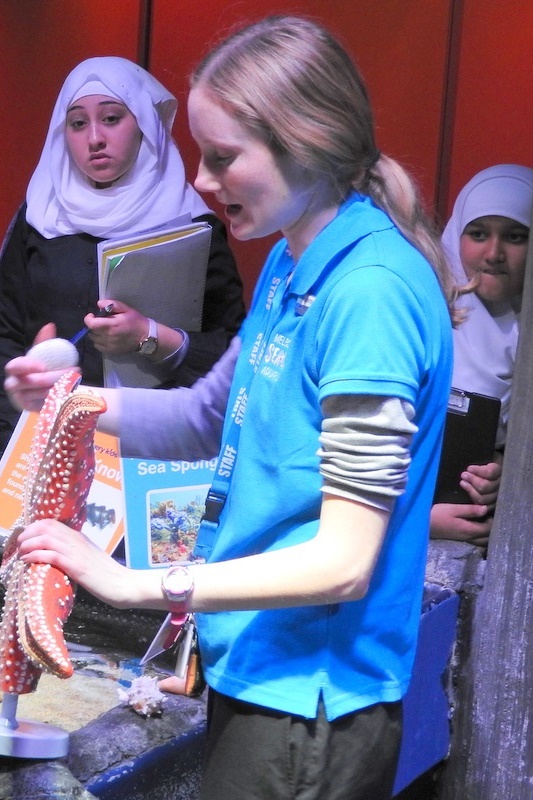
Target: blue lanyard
x: 216, y: 497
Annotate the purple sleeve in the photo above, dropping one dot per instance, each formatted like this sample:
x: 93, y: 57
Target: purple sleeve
x: 183, y: 424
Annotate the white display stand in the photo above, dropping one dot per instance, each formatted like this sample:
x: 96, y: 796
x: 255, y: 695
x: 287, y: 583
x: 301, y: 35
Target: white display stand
x: 22, y: 738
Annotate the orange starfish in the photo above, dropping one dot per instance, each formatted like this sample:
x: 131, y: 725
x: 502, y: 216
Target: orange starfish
x: 39, y: 597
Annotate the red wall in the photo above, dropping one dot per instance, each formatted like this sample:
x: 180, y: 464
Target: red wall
x: 406, y: 49
x: 493, y: 117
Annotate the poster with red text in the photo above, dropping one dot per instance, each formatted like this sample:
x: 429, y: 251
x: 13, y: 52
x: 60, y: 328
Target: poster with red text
x: 105, y: 506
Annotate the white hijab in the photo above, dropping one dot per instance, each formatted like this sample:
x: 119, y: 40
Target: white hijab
x: 485, y: 345
x: 154, y: 191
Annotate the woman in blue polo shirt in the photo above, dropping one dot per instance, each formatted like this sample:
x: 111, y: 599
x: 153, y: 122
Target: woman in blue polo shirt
x: 316, y: 527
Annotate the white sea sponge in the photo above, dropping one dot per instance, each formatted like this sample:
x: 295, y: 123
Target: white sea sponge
x: 55, y: 353
x: 143, y: 696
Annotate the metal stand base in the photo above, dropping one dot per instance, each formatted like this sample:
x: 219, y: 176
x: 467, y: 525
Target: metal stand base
x: 28, y: 738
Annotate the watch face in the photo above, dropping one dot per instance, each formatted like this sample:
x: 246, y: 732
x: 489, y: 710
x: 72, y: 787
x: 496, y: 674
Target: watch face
x: 148, y: 347
x: 177, y: 583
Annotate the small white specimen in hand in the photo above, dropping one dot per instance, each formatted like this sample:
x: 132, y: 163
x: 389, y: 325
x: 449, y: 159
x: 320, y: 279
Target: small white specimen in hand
x: 55, y: 353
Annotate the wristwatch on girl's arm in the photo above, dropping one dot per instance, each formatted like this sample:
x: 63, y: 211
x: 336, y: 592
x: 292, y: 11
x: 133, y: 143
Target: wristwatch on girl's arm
x: 148, y: 345
x: 177, y: 584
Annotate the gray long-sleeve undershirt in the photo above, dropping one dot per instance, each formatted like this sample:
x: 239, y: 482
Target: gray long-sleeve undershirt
x: 365, y: 447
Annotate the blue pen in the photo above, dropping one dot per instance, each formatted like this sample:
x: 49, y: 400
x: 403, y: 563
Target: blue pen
x: 102, y: 312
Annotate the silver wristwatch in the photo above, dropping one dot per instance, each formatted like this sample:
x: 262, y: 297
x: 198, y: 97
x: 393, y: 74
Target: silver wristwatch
x: 148, y: 346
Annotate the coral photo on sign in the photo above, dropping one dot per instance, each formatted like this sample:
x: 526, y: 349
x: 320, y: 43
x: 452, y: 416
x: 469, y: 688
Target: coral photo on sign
x: 165, y: 501
x: 174, y: 517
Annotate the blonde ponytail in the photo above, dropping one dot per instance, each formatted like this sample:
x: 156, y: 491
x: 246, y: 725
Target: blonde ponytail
x: 394, y: 191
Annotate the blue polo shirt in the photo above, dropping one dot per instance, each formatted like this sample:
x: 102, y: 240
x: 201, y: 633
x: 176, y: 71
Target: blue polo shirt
x: 360, y: 313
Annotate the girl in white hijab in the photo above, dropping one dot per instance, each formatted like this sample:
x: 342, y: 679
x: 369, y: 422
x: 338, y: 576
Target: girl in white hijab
x: 486, y: 242
x: 61, y: 200
x: 111, y: 118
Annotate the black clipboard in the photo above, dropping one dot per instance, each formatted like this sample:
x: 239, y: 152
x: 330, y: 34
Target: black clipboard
x: 469, y: 438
